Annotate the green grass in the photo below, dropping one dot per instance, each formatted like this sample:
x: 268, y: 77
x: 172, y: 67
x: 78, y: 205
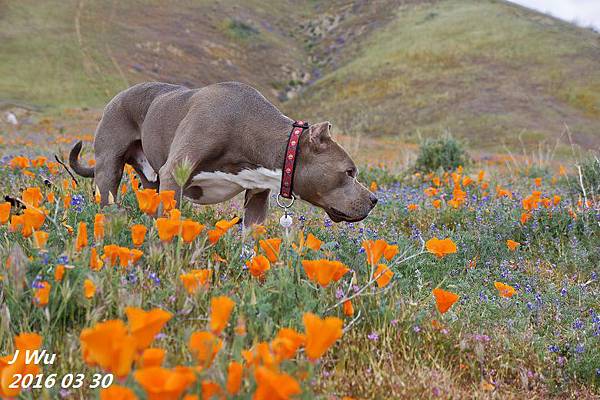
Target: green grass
x: 541, y: 343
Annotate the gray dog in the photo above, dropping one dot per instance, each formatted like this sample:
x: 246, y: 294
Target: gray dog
x: 235, y: 139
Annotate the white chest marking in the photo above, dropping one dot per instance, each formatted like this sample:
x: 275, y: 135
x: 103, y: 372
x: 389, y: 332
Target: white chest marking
x: 219, y: 186
x: 147, y: 169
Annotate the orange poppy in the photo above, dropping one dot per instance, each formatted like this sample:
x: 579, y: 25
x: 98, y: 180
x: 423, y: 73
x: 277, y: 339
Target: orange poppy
x: 272, y: 385
x: 195, y: 279
x: 271, y: 248
x: 28, y: 222
x: 321, y: 334
x: 167, y: 198
x: 234, y: 377
x: 165, y: 384
x: 4, y: 212
x: 210, y: 389
x: 390, y: 252
x: 258, y: 266
x: 135, y: 255
x: 32, y: 196
x: 501, y: 192
x: 167, y: 228
x: 324, y: 271
x: 436, y: 203
x: 108, y: 345
x: 39, y: 239
x: 66, y: 201
x: 454, y: 203
x: 546, y: 202
x: 440, y: 248
x: 444, y: 299
x: 512, y: 245
x: 383, y: 275
x: 138, y: 233
x: 221, y: 227
x: 125, y: 257
x: 152, y: 357
x: 19, y: 162
x: 538, y: 182
x: 348, y: 308
x: 286, y: 343
x: 24, y: 342
x: 135, y: 184
x: 39, y: 161
x: 99, y: 223
x: 505, y: 290
x: 555, y: 200
x: 42, y: 293
x: 374, y: 250
x: 89, y: 289
x: 373, y: 187
x: 220, y: 312
x: 148, y: 200
x: 145, y: 325
x: 82, y: 237
x: 116, y: 392
x: 525, y: 217
x: 34, y: 218
x: 111, y: 252
x: 412, y: 207
x: 175, y: 214
x: 204, y: 346
x: 467, y: 181
x: 480, y: 175
x: 95, y: 261
x: 59, y: 272
x: 313, y: 243
x: 190, y: 230
x: 260, y: 355
x: 431, y: 191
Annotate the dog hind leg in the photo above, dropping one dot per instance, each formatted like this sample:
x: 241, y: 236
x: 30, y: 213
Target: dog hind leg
x: 115, y: 135
x: 109, y: 171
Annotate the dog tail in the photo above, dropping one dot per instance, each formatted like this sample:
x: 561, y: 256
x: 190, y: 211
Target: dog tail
x: 86, y: 172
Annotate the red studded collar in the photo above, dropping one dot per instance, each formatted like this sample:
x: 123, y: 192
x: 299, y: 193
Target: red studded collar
x: 289, y: 162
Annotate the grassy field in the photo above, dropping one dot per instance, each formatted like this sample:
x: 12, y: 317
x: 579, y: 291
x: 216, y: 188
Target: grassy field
x: 506, y: 307
x: 540, y: 342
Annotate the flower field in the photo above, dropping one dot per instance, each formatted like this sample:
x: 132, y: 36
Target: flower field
x: 474, y: 283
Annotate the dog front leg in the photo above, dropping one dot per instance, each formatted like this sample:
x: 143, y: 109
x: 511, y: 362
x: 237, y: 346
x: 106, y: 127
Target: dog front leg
x: 256, y: 205
x: 167, y: 182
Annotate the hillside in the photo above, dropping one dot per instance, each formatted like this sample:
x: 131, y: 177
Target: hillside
x: 486, y: 71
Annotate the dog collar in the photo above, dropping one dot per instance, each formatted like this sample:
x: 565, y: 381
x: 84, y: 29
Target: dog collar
x: 289, y: 162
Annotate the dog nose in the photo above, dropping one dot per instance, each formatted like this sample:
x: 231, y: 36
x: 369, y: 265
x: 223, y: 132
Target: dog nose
x: 373, y: 199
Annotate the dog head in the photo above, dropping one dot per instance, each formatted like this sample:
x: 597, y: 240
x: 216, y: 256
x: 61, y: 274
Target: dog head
x: 326, y: 177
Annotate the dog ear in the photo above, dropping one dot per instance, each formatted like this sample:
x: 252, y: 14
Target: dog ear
x: 318, y: 134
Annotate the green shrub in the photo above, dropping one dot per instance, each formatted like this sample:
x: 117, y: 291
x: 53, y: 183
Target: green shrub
x: 445, y: 152
x: 241, y: 30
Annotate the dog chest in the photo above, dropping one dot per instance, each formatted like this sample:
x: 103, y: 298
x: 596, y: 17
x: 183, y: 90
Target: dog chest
x: 217, y: 186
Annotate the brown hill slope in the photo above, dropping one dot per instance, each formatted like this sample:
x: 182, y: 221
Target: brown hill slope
x: 487, y: 71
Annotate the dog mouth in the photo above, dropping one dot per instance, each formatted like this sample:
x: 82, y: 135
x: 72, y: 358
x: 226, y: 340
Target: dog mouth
x: 339, y: 216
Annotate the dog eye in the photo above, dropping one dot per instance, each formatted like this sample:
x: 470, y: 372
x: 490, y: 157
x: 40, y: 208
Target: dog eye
x: 351, y: 172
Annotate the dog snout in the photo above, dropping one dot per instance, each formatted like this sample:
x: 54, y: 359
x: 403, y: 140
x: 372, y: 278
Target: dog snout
x: 373, y: 199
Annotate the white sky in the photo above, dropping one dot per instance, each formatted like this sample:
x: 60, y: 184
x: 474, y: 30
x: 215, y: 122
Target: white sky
x: 585, y: 13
